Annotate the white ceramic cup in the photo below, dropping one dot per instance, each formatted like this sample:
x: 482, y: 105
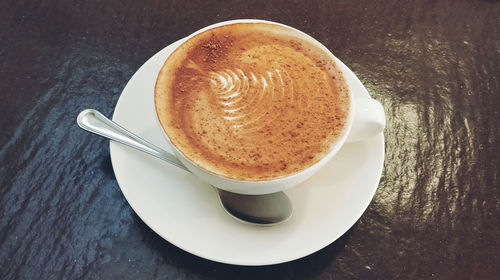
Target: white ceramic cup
x: 366, y: 118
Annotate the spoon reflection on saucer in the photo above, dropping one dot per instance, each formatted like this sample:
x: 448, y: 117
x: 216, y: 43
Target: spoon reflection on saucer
x: 267, y: 209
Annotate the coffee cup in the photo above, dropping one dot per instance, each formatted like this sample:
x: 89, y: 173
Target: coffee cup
x: 255, y: 107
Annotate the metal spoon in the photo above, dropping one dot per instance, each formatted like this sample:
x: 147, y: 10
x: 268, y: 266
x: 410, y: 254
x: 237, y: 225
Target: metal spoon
x: 268, y: 209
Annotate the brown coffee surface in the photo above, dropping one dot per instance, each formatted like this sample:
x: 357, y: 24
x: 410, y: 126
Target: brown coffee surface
x: 251, y: 101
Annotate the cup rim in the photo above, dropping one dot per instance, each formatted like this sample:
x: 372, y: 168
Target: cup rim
x: 338, y: 143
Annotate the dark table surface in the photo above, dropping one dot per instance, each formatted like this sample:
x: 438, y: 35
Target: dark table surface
x: 433, y: 64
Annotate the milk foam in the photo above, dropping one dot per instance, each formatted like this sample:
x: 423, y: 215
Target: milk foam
x: 251, y: 101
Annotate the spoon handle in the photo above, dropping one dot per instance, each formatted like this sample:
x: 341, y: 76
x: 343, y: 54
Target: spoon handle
x: 95, y: 122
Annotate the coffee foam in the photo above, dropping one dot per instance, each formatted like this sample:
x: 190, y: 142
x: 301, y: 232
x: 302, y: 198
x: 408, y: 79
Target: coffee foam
x: 251, y: 101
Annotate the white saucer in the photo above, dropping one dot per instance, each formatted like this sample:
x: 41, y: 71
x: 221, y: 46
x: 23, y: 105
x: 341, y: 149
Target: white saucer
x: 186, y: 212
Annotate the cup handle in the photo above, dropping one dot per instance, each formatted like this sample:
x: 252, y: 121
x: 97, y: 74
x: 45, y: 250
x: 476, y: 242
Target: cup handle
x: 369, y: 119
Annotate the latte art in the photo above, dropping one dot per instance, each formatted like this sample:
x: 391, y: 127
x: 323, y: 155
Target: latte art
x: 246, y: 100
x: 251, y: 101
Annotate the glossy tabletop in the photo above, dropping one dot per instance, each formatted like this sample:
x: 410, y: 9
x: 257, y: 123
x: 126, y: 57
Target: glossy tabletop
x: 434, y: 65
